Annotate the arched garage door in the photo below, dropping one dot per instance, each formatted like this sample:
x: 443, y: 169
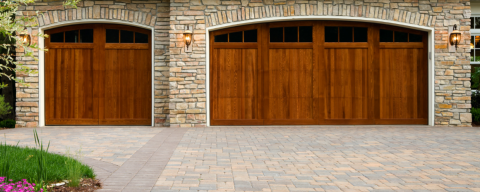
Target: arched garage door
x: 318, y: 72
x: 98, y: 74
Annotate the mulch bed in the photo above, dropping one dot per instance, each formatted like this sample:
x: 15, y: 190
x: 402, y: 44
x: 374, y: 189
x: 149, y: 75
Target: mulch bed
x: 86, y: 185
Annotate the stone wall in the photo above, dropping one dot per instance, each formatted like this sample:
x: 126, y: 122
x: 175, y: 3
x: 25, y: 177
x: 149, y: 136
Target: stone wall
x: 180, y: 76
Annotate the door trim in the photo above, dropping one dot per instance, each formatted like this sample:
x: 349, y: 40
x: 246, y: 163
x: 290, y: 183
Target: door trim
x: 41, y: 61
x: 431, y: 52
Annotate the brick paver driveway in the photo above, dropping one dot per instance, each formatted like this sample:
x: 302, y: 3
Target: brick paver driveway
x: 364, y: 158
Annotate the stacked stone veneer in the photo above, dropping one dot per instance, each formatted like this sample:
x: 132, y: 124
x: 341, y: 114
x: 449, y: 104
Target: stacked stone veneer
x: 180, y: 77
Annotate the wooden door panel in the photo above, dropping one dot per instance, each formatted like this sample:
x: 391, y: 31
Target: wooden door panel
x: 346, y: 88
x: 69, y: 97
x: 290, y: 85
x: 127, y: 87
x: 398, y: 83
x: 235, y: 81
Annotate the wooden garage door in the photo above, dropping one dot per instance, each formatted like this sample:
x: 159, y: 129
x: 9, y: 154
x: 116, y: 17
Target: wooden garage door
x: 98, y: 74
x: 318, y: 72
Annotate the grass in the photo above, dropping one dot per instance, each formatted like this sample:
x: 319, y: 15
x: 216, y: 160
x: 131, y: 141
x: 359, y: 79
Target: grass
x: 27, y: 162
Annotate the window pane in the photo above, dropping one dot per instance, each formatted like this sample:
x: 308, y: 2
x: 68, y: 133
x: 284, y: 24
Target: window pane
x: 472, y: 42
x: 71, y: 36
x: 331, y: 34
x: 86, y: 36
x: 56, y: 37
x: 291, y: 34
x: 126, y: 36
x: 386, y: 35
x: 415, y: 38
x: 141, y: 38
x: 221, y: 38
x: 346, y: 34
x: 306, y: 34
x: 360, y: 34
x: 276, y: 34
x: 236, y: 37
x: 401, y: 36
x: 477, y: 23
x: 112, y: 35
x: 472, y: 58
x: 477, y: 41
x: 250, y: 36
x: 472, y: 22
x: 477, y: 55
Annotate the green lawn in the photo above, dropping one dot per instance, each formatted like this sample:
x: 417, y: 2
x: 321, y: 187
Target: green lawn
x: 23, y: 164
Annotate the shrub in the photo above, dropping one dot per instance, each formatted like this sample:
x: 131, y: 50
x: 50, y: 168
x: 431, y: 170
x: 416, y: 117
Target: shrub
x: 9, y: 123
x: 5, y: 108
x: 475, y: 99
x: 476, y: 78
x: 475, y: 115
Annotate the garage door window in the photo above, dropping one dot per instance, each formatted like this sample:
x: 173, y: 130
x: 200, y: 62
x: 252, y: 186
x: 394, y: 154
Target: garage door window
x: 346, y: 34
x: 399, y: 36
x: 73, y: 36
x: 124, y: 36
x: 291, y: 34
x: 248, y: 36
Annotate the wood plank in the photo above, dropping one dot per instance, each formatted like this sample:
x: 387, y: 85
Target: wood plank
x: 410, y: 45
x: 128, y: 46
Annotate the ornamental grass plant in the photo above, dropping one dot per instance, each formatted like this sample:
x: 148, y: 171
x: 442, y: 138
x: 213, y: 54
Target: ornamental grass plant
x: 37, y: 165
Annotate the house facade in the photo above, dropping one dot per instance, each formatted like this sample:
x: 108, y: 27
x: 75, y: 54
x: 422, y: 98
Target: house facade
x: 249, y: 62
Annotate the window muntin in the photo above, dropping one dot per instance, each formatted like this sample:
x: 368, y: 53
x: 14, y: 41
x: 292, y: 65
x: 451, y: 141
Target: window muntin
x: 124, y: 36
x: 248, y: 36
x: 346, y: 34
x: 291, y: 34
x: 389, y: 36
x: 73, y: 36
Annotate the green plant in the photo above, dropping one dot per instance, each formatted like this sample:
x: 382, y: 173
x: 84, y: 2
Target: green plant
x: 9, y: 123
x: 5, y: 107
x: 4, y: 161
x: 475, y: 114
x: 74, y: 169
x: 41, y: 173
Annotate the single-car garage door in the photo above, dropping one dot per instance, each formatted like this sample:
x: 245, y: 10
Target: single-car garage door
x: 318, y: 72
x: 98, y: 74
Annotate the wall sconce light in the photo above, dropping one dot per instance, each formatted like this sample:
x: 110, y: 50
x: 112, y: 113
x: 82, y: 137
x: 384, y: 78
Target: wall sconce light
x: 455, y: 36
x: 25, y: 38
x: 187, y: 35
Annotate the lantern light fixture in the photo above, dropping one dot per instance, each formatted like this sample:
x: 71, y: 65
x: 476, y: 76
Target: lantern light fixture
x: 187, y: 35
x: 25, y: 38
x: 455, y: 36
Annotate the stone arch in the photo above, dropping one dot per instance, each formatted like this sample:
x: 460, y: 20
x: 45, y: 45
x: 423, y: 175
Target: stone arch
x: 96, y: 13
x: 320, y: 9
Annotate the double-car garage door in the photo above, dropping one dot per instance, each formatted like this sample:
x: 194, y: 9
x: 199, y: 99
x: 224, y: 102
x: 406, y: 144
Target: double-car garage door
x: 318, y: 72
